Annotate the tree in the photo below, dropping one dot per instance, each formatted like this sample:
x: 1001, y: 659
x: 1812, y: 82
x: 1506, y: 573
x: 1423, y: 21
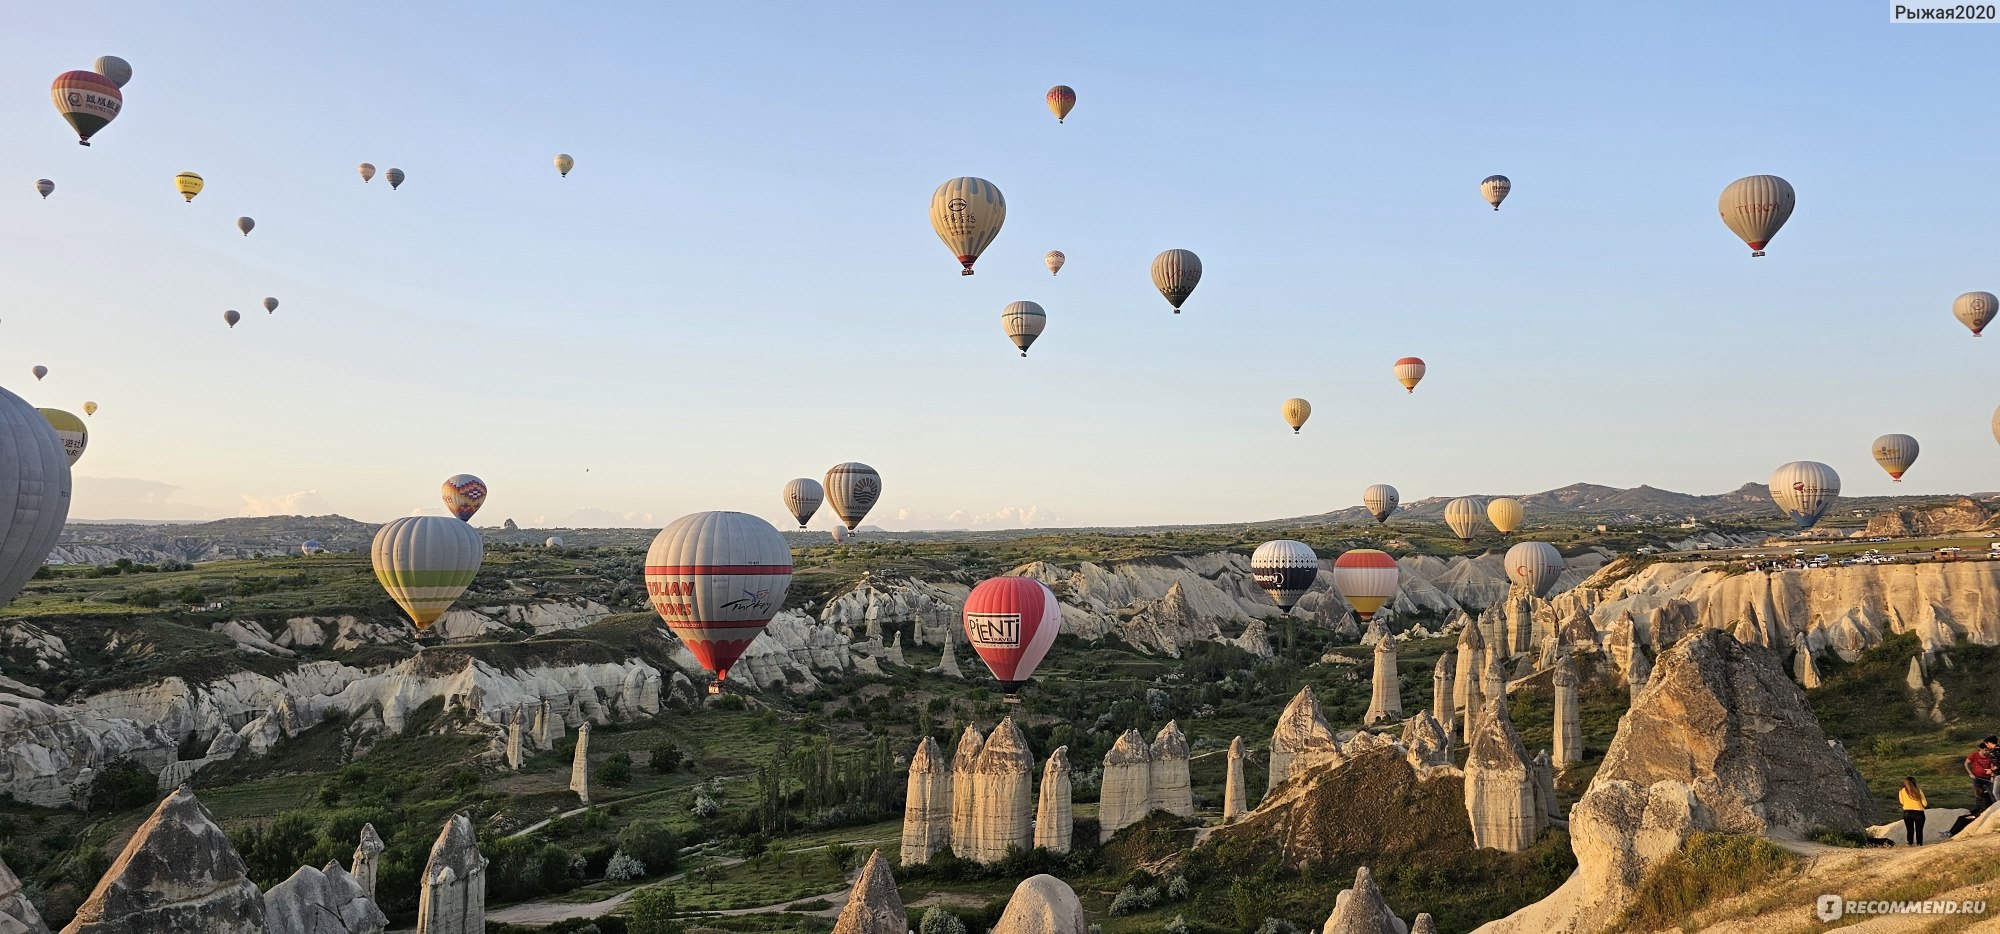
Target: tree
x: 120, y: 785
x: 939, y: 921
x: 624, y: 868
x: 651, y: 842
x: 616, y: 770
x: 665, y: 758
x: 651, y: 910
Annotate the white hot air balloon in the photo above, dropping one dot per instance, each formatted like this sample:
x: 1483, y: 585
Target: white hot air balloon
x: 1465, y: 515
x: 1175, y: 274
x: 1366, y: 579
x: 1054, y: 259
x: 853, y: 489
x: 802, y: 498
x: 1803, y: 489
x: 1381, y: 500
x: 716, y: 579
x: 34, y: 493
x: 1505, y: 513
x: 1023, y: 322
x: 1494, y: 189
x: 1975, y: 310
x: 967, y: 213
x: 1895, y: 453
x: 1535, y: 566
x: 426, y: 563
x: 840, y: 535
x: 1285, y: 569
x: 1755, y: 207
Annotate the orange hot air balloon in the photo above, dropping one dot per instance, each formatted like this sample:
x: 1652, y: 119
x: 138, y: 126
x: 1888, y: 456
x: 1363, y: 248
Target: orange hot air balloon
x: 1410, y: 372
x: 87, y: 100
x: 1061, y: 100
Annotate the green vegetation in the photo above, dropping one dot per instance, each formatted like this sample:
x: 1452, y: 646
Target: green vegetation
x: 1709, y: 867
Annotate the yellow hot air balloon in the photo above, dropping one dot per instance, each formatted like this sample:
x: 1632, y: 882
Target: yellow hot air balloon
x: 1754, y: 207
x: 967, y: 213
x: 90, y: 408
x: 564, y: 163
x: 425, y: 563
x: 1505, y: 513
x: 188, y: 184
x: 1410, y: 371
x: 1296, y: 411
x: 70, y: 430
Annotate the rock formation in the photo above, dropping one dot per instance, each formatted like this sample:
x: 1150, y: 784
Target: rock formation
x: 514, y: 739
x: 948, y: 662
x: 177, y: 874
x: 1520, y: 611
x: 1256, y: 640
x: 1232, y: 788
x: 17, y: 916
x: 1443, y: 687
x: 1302, y: 740
x: 1126, y: 793
x: 1805, y: 669
x: 367, y: 859
x: 1425, y: 741
x: 579, y: 767
x: 926, y: 805
x: 453, y: 897
x: 1640, y: 672
x: 1361, y: 910
x: 1424, y: 924
x: 1492, y: 681
x: 548, y: 725
x: 1053, y: 820
x: 1385, y: 701
x: 1170, y: 789
x: 1042, y: 905
x: 1374, y: 803
x: 873, y: 904
x: 1470, y: 668
x: 1003, y: 801
x: 1500, y: 792
x: 1546, y: 803
x: 964, y: 789
x: 315, y: 901
x: 1569, y: 725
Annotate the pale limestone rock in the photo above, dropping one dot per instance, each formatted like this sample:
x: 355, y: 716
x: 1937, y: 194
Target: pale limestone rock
x: 367, y: 859
x: 1442, y: 689
x: 1376, y: 633
x: 1500, y: 796
x: 1987, y: 822
x: 1361, y: 910
x: 1232, y: 791
x: 1520, y: 610
x: 1425, y: 741
x: 1256, y: 640
x: 1126, y: 792
x: 17, y: 916
x: 1915, y: 679
x: 514, y: 739
x: 549, y: 726
x: 1170, y: 790
x: 1492, y: 680
x: 927, y: 805
x: 1424, y: 924
x: 1569, y: 725
x: 1003, y: 802
x: 1469, y: 668
x: 1042, y: 905
x: 1385, y: 702
x: 315, y: 901
x: 895, y: 652
x: 1054, y: 822
x: 948, y: 661
x: 453, y: 897
x: 873, y: 904
x: 964, y: 790
x: 579, y: 767
x: 1302, y: 741
x: 1640, y: 673
x: 1545, y: 788
x: 1805, y: 669
x: 177, y: 875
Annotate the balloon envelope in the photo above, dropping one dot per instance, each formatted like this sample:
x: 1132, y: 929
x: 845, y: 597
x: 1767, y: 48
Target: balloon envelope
x: 1803, y: 490
x: 245, y: 224
x: 463, y: 495
x: 87, y: 100
x: 270, y: 304
x: 1754, y: 207
x: 564, y: 163
x: 367, y: 171
x: 1296, y: 411
x: 114, y: 68
x: 1505, y: 513
x: 853, y: 489
x: 802, y: 498
x: 840, y: 535
x: 70, y: 431
x: 1023, y: 322
x: 188, y: 184
x: 1464, y: 515
x: 90, y: 408
x: 395, y: 177
x: 1895, y: 453
x: 1175, y: 274
x: 1285, y: 569
x: 716, y: 579
x: 40, y: 371
x: 967, y: 213
x: 1054, y: 259
x: 1366, y: 579
x: 1011, y: 622
x: 1975, y: 310
x: 1410, y: 372
x: 232, y: 316
x: 45, y: 186
x: 425, y: 563
x: 1380, y: 500
x: 1494, y: 189
x: 34, y: 492
x: 1061, y: 100
x: 1535, y: 566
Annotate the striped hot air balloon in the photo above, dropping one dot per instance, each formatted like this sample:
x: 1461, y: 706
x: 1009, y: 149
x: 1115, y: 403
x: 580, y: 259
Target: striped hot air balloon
x: 1494, y: 189
x: 1464, y: 515
x: 967, y: 213
x: 1011, y: 622
x: 395, y: 178
x: 1505, y: 513
x: 1803, y: 490
x: 1061, y: 100
x: 367, y: 171
x: 70, y: 431
x: 463, y: 495
x: 87, y: 100
x: 1023, y: 322
x: 1296, y: 411
x: 1175, y: 274
x: 1366, y: 579
x: 1053, y: 259
x: 1285, y: 569
x: 716, y: 579
x: 1410, y: 372
x: 46, y: 187
x: 1973, y: 309
x: 114, y: 68
x: 34, y: 492
x: 802, y: 498
x: 1380, y: 500
x: 1754, y: 207
x: 1535, y: 566
x: 425, y: 563
x: 188, y: 184
x: 1895, y: 453
x: 853, y: 488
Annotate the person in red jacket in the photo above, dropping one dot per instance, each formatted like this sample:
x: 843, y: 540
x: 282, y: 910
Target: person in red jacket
x: 1980, y: 765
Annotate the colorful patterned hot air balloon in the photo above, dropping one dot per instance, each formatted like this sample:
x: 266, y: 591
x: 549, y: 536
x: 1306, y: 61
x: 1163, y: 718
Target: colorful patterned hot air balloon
x: 1380, y: 500
x: 1011, y: 622
x: 1175, y: 274
x: 367, y: 170
x: 564, y: 163
x: 1803, y: 490
x: 1054, y: 259
x: 967, y: 213
x: 1535, y: 566
x: 70, y: 431
x: 40, y: 371
x: 853, y: 488
x: 114, y: 68
x: 1505, y: 513
x: 395, y: 177
x: 463, y: 495
x: 1061, y: 100
x: 1895, y: 453
x: 802, y: 498
x: 1023, y: 322
x: 1366, y: 579
x: 188, y: 184
x: 1755, y: 207
x: 1973, y: 309
x: 1296, y: 411
x: 231, y: 316
x: 1494, y: 189
x: 87, y: 100
x: 1285, y: 569
x: 90, y: 408
x: 1410, y: 372
x: 425, y: 563
x: 46, y: 187
x: 840, y: 535
x: 716, y: 579
x: 245, y: 224
x: 1464, y: 515
x: 34, y: 493
x: 270, y: 305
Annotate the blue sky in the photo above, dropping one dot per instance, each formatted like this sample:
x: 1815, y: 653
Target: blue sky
x: 738, y: 283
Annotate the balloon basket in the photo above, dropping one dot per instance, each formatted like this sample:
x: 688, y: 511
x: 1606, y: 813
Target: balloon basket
x: 715, y: 689
x: 1014, y: 699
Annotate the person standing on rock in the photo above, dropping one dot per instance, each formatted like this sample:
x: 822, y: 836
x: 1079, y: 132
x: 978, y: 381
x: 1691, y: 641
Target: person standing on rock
x: 1913, y: 802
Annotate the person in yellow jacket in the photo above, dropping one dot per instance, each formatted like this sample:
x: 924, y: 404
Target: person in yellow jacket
x: 1914, y: 804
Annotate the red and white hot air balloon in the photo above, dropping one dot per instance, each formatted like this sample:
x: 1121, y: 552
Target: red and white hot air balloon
x: 1011, y: 622
x: 716, y: 579
x: 1409, y: 372
x: 1366, y: 579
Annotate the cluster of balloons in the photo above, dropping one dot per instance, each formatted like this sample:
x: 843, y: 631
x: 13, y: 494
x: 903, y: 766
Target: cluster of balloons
x: 854, y: 488
x: 90, y: 100
x: 425, y: 563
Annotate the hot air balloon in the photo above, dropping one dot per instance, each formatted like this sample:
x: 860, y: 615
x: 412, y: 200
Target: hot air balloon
x: 46, y: 187
x: 1494, y: 189
x: 802, y: 498
x: 1535, y: 566
x: 1366, y: 579
x: 1175, y: 274
x: 232, y: 317
x: 967, y: 214
x: 395, y: 179
x: 1755, y: 207
x: 463, y: 495
x: 1380, y: 500
x: 1011, y: 622
x: 70, y: 431
x: 1061, y: 99
x: 1464, y: 515
x: 87, y: 100
x: 1895, y: 453
x: 1296, y: 411
x: 1410, y: 372
x: 311, y: 547
x: 115, y: 68
x: 1054, y: 260
x: 1995, y: 426
x: 270, y: 304
x: 367, y: 172
x: 853, y: 488
x: 425, y: 563
x: 1505, y: 513
x: 34, y: 493
x: 840, y: 535
x: 1023, y: 322
x: 716, y: 579
x: 90, y: 408
x: 553, y: 541
x: 1285, y: 569
x: 40, y: 371
x: 1973, y: 309
x: 1803, y: 490
x: 564, y: 163
x: 188, y: 184
x: 245, y: 224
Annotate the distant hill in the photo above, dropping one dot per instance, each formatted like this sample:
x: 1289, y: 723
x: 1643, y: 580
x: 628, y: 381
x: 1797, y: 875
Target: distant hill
x: 1586, y: 503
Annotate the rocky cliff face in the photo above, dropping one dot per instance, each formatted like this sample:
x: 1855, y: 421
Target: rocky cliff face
x: 1965, y: 515
x: 177, y: 875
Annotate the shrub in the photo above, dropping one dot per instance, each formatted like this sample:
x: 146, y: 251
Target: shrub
x: 705, y: 807
x: 1887, y: 747
x: 939, y: 921
x: 651, y: 842
x: 616, y: 770
x: 624, y: 868
x: 1827, y: 836
x: 665, y: 758
x: 1132, y: 899
x: 651, y: 910
x: 1177, y: 888
x: 1178, y: 925
x: 120, y: 785
x: 1709, y: 867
